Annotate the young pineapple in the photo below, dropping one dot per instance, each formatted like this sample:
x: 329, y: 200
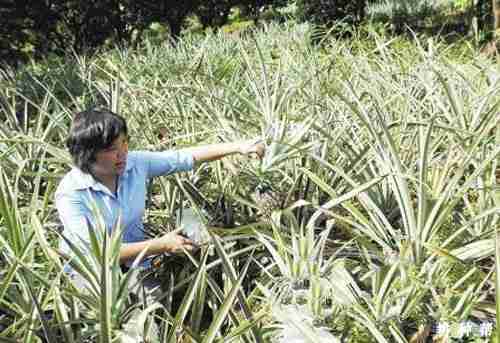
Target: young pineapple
x: 268, y: 199
x: 284, y: 141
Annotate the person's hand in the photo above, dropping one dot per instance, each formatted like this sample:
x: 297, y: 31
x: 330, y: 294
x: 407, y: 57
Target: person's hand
x: 173, y: 242
x: 253, y: 147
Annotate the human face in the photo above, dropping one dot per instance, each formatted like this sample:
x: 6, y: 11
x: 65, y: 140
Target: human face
x: 111, y: 162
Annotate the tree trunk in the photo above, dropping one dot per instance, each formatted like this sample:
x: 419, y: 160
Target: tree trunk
x: 175, y: 29
x: 491, y: 49
x: 473, y: 20
x: 496, y: 17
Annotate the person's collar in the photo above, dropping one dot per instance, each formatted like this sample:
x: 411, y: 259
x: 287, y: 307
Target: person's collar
x: 82, y: 180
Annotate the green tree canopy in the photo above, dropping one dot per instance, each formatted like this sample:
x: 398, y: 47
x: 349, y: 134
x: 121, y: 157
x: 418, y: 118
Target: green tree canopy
x: 38, y: 27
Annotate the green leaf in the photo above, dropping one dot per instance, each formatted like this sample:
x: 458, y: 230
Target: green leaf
x: 188, y: 300
x: 231, y: 272
x: 221, y: 314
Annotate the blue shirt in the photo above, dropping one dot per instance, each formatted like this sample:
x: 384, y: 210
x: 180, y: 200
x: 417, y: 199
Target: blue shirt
x: 78, y: 190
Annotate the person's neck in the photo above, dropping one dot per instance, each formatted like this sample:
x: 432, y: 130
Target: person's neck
x: 110, y: 181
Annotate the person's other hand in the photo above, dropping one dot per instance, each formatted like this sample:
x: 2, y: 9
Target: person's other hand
x: 173, y: 242
x: 253, y: 147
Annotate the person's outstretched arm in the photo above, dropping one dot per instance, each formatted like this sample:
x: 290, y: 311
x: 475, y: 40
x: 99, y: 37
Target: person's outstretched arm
x: 214, y: 152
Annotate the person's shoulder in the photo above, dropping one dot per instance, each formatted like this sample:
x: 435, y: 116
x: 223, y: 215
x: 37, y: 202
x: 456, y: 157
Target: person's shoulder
x: 73, y: 182
x: 135, y: 159
x: 137, y: 163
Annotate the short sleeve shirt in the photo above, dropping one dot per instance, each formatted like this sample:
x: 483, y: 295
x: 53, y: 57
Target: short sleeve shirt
x: 78, y: 193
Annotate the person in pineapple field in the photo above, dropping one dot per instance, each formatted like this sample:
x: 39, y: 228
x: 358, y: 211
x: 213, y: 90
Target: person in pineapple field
x: 106, y: 174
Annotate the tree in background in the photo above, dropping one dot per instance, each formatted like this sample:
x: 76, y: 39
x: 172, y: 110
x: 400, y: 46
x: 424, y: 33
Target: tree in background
x: 35, y: 28
x: 253, y: 8
x: 492, y: 47
x: 214, y: 13
x: 487, y: 18
x: 496, y: 16
x: 328, y: 12
x: 170, y: 13
x: 85, y: 25
x: 482, y: 11
x: 28, y: 27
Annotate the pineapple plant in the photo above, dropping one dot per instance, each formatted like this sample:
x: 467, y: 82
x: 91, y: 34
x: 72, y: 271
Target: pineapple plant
x: 284, y: 142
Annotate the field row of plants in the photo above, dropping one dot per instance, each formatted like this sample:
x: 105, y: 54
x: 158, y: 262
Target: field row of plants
x: 373, y: 215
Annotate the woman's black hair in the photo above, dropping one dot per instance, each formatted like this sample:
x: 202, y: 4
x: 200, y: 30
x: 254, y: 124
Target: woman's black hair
x: 92, y: 131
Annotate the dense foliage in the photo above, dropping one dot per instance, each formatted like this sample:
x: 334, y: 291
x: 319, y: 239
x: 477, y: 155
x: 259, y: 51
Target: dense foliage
x: 214, y: 13
x: 33, y: 28
x: 37, y: 28
x: 373, y: 215
x: 328, y: 12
